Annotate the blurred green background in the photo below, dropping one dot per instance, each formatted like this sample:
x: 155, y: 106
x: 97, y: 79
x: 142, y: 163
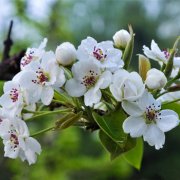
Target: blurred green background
x: 75, y: 154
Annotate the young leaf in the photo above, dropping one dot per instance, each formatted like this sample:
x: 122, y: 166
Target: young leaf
x: 112, y: 135
x: 112, y: 125
x: 134, y: 156
x: 63, y: 98
x: 129, y: 49
x: 113, y: 147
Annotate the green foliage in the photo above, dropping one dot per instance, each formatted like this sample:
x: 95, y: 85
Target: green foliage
x: 128, y: 52
x: 134, y: 156
x: 173, y: 106
x: 112, y: 135
x: 1, y: 87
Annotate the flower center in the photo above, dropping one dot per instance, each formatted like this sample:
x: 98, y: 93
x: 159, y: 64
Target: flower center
x: 14, y: 94
x: 166, y: 53
x: 13, y: 139
x: 151, y: 114
x: 90, y: 79
x: 98, y: 54
x: 42, y: 77
x: 27, y: 59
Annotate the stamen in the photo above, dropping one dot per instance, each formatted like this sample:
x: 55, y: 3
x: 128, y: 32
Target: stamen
x: 98, y: 54
x: 14, y: 94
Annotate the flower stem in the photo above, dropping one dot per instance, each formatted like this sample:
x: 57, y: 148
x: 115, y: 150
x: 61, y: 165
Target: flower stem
x: 61, y: 111
x: 43, y: 131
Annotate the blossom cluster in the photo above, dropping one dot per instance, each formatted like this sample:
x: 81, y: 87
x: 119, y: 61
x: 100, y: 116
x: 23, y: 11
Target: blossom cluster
x: 96, y: 75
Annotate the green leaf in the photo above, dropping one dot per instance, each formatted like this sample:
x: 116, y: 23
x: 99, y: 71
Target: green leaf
x: 113, y: 134
x: 173, y: 106
x: 134, y: 156
x: 1, y: 87
x: 112, y: 124
x: 113, y: 147
x: 127, y: 55
x: 63, y: 98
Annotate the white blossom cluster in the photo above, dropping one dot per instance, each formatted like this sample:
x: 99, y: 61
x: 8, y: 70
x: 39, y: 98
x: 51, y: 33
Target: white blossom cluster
x: 95, y: 67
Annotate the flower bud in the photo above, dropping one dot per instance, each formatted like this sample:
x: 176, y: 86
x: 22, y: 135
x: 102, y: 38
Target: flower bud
x: 155, y: 79
x: 65, y: 53
x: 144, y: 66
x: 121, y: 38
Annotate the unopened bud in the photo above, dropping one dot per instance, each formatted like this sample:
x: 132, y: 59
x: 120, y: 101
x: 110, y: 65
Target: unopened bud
x: 121, y: 38
x: 144, y: 66
x: 65, y: 53
x: 155, y: 79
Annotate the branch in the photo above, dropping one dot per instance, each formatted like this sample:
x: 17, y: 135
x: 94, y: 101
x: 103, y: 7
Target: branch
x: 7, y: 43
x: 10, y: 66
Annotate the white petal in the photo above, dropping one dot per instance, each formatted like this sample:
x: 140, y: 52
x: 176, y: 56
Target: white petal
x: 47, y: 95
x: 6, y: 101
x: 149, y: 53
x: 167, y: 120
x: 20, y: 127
x: 83, y: 68
x: 48, y: 60
x: 10, y: 151
x: 75, y: 88
x: 4, y: 126
x: 60, y: 78
x: 116, y: 92
x: 86, y: 48
x: 33, y: 144
x: 154, y: 136
x: 120, y: 76
x: 107, y: 78
x: 32, y: 147
x: 106, y: 45
x: 176, y: 62
x: 92, y: 96
x: 132, y: 108
x: 8, y: 86
x: 136, y: 126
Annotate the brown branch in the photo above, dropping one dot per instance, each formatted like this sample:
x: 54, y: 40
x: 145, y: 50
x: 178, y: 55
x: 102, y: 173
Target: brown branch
x: 8, y: 43
x: 10, y: 66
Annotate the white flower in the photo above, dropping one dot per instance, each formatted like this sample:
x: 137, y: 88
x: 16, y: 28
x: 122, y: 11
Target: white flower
x: 17, y: 142
x: 65, y: 53
x: 39, y: 79
x: 12, y: 99
x: 155, y: 79
x: 87, y: 80
x: 161, y: 56
x: 148, y: 120
x: 104, y: 53
x: 126, y: 86
x: 121, y: 38
x: 155, y: 53
x: 4, y: 122
x: 33, y: 54
x: 170, y: 96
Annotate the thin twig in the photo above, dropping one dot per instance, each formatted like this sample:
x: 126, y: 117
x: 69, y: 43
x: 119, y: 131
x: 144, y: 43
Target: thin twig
x: 8, y: 43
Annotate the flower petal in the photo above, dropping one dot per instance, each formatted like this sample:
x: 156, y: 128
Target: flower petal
x: 154, y: 136
x: 132, y: 108
x: 92, y: 96
x: 167, y: 120
x: 106, y: 77
x: 75, y: 88
x: 47, y: 95
x: 136, y: 126
x: 9, y: 150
